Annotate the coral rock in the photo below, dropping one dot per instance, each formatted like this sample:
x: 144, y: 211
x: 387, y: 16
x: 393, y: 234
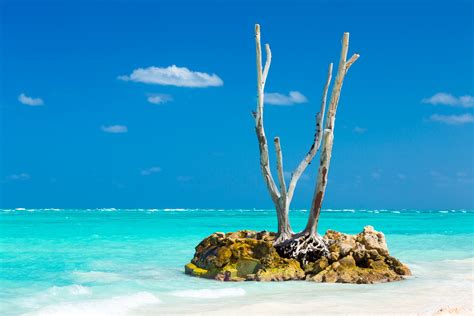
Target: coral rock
x: 250, y: 256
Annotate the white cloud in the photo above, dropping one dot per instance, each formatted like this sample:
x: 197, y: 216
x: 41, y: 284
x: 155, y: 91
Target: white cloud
x: 461, y: 174
x: 464, y: 178
x: 19, y: 176
x: 466, y: 101
x: 443, y: 180
x: 294, y: 97
x: 360, y: 130
x: 149, y: 171
x: 453, y: 119
x: 377, y: 174
x: 440, y: 179
x: 159, y: 98
x: 184, y: 178
x: 24, y: 99
x: 435, y: 173
x: 114, y: 129
x: 401, y: 176
x: 174, y: 76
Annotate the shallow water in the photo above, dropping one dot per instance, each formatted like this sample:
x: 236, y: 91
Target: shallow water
x: 130, y: 262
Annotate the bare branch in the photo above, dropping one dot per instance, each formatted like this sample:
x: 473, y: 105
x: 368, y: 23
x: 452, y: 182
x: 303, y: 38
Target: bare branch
x: 328, y: 139
x: 258, y: 49
x: 351, y: 61
x: 281, y: 175
x: 262, y: 139
x: 268, y: 61
x: 336, y: 89
x: 320, y: 116
x: 316, y: 142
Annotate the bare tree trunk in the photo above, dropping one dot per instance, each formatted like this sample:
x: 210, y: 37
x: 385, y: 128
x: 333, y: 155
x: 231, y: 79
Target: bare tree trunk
x: 328, y: 139
x: 283, y: 207
x: 308, y: 246
x: 281, y: 198
x: 284, y: 228
x: 262, y: 139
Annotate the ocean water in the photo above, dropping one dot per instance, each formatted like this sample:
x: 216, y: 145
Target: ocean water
x: 130, y: 262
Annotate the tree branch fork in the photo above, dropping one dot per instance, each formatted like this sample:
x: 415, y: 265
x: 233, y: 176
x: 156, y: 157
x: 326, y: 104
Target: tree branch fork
x: 283, y: 195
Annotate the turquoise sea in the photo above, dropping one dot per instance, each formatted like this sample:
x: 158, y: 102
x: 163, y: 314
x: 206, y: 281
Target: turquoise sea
x: 130, y: 262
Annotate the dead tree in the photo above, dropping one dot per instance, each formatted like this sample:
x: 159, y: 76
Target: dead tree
x: 281, y: 197
x: 325, y: 159
x: 307, y: 245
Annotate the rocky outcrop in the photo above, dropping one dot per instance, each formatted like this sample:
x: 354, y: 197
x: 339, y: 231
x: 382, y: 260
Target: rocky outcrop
x: 242, y: 255
x: 249, y: 255
x: 363, y: 258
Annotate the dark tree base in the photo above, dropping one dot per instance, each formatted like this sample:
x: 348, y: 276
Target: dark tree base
x: 303, y: 247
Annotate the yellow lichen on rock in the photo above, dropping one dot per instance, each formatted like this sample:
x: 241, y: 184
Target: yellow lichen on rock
x: 196, y: 271
x: 287, y: 269
x: 249, y: 255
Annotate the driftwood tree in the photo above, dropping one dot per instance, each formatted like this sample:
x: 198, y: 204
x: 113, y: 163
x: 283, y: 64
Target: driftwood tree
x: 306, y: 245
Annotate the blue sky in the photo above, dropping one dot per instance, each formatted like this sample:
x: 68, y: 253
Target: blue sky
x: 95, y: 114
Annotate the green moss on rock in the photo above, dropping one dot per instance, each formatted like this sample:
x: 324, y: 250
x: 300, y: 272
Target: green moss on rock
x: 250, y: 255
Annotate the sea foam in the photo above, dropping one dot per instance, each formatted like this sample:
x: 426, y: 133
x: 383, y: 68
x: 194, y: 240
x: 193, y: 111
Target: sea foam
x: 210, y: 293
x: 74, y: 289
x: 119, y: 305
